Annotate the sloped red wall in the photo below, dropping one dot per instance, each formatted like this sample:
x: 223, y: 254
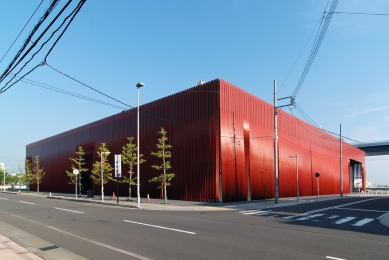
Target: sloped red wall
x: 251, y: 152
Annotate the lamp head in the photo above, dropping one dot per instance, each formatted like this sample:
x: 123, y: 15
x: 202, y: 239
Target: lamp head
x: 140, y: 84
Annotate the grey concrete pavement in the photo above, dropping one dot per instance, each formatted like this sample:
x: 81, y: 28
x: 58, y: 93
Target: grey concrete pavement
x: 17, y: 244
x: 13, y: 247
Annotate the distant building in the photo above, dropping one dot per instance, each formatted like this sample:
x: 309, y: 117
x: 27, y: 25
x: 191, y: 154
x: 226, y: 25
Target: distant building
x: 358, y: 184
x: 223, y: 149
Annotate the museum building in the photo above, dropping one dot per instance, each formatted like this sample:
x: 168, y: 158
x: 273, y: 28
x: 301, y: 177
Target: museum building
x: 222, y: 141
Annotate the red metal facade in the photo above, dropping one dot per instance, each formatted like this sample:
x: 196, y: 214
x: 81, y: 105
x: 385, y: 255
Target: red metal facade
x: 222, y: 137
x: 250, y: 155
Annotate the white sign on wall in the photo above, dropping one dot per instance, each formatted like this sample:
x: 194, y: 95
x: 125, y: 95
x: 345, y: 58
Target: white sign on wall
x: 118, y: 165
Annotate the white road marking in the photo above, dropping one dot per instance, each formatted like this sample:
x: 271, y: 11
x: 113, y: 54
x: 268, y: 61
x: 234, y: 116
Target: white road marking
x: 310, y: 217
x: 364, y: 210
x: 335, y: 258
x: 332, y: 217
x: 251, y: 212
x: 294, y: 216
x: 83, y: 238
x: 71, y: 210
x: 3, y: 199
x: 343, y: 220
x: 27, y: 202
x: 339, y: 206
x: 383, y: 215
x: 363, y: 222
x: 247, y: 211
x: 262, y: 214
x: 172, y: 229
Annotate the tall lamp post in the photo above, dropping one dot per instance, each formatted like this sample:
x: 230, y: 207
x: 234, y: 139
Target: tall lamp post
x: 102, y: 171
x: 138, y: 85
x: 297, y: 174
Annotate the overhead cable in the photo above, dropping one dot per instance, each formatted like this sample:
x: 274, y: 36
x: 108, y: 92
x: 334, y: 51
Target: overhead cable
x: 59, y: 90
x: 71, y: 16
x: 316, y: 46
x: 17, y: 37
x: 317, y: 25
x: 382, y: 14
x: 28, y: 40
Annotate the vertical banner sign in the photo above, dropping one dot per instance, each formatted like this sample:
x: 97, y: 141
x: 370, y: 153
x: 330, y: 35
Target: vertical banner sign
x: 118, y: 165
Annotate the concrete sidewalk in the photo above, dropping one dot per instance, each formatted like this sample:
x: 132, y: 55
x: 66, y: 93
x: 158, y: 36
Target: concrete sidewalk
x: 11, y: 248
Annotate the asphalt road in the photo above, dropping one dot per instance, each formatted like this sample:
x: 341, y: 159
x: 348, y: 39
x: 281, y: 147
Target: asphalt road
x: 342, y: 229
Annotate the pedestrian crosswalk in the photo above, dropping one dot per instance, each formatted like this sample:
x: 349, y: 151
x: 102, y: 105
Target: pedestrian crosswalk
x: 333, y: 219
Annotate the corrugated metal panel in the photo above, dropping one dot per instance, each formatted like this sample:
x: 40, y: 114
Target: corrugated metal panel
x: 211, y: 125
x: 191, y: 119
x: 317, y: 151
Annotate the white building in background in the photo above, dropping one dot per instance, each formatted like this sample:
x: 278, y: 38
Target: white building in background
x: 2, y: 166
x: 358, y: 184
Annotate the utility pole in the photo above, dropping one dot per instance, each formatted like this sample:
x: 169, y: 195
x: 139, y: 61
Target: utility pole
x: 275, y: 144
x: 341, y: 171
x: 233, y: 140
x: 276, y: 137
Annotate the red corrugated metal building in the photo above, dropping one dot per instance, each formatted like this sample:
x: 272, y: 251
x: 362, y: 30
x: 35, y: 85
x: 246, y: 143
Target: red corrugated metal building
x: 223, y: 149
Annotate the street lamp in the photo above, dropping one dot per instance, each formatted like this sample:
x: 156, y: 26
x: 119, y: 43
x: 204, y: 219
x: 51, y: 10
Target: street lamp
x: 297, y: 174
x: 102, y: 178
x: 138, y: 85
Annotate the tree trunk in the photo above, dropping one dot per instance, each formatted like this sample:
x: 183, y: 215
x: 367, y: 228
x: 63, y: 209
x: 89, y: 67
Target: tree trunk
x: 129, y: 190
x: 164, y: 190
x: 37, y: 188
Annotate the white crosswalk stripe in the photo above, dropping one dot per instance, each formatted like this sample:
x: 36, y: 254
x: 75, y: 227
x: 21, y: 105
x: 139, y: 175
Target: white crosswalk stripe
x: 293, y: 216
x: 305, y: 217
x: 343, y: 220
x: 363, y: 222
x: 252, y: 212
x: 310, y: 217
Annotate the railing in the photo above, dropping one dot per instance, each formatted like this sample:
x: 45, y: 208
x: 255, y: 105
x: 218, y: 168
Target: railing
x: 375, y: 192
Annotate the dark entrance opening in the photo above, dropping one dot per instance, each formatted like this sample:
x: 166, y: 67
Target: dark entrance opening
x: 355, y: 175
x: 86, y: 181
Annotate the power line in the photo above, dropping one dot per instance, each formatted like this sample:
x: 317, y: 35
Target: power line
x: 48, y: 87
x: 382, y: 14
x: 316, y: 46
x: 27, y: 41
x: 335, y: 140
x: 72, y: 15
x: 10, y: 159
x: 319, y: 22
x: 17, y: 37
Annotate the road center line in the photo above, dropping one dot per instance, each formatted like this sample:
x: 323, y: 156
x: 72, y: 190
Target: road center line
x: 383, y: 215
x: 335, y: 258
x: 27, y: 202
x: 364, y: 210
x: 172, y: 229
x: 71, y: 210
x: 340, y: 206
x: 83, y: 238
x: 3, y: 199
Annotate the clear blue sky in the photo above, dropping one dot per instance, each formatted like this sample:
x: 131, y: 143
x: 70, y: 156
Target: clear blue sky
x: 171, y: 45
